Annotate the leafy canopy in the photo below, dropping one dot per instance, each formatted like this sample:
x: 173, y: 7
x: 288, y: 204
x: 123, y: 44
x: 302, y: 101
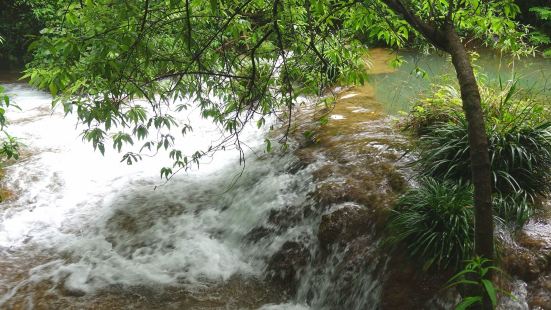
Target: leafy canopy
x: 239, y: 61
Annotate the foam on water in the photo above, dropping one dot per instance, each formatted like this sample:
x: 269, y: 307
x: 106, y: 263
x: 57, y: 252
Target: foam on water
x: 286, y: 306
x: 110, y: 226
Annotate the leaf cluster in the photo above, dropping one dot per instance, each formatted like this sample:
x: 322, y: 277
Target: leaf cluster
x: 237, y: 61
x: 476, y: 274
x: 433, y: 224
x: 9, y: 146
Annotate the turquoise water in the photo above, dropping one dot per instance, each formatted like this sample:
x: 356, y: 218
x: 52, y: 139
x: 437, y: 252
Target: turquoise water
x: 398, y: 90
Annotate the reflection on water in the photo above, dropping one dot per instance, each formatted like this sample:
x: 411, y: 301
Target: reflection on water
x: 396, y: 90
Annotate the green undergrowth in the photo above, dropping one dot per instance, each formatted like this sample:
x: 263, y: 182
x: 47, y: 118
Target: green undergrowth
x: 433, y: 223
x: 519, y: 133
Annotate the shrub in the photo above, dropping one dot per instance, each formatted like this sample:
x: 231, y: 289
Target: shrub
x: 433, y: 224
x: 519, y: 144
x: 442, y: 107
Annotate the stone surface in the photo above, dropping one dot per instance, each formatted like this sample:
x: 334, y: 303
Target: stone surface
x: 344, y: 224
x: 286, y: 263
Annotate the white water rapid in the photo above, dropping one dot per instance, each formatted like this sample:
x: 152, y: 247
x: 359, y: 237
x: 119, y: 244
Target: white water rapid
x: 85, y: 223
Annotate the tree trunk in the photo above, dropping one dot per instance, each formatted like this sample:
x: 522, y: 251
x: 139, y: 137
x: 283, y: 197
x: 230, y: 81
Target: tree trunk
x: 446, y: 38
x: 480, y: 161
x: 478, y: 143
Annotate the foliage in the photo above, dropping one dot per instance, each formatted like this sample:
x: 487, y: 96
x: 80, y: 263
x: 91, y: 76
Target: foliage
x: 20, y: 23
x: 443, y: 106
x: 433, y: 224
x: 516, y: 208
x: 238, y: 60
x: 543, y: 13
x: 542, y: 34
x: 519, y: 141
x: 9, y: 147
x: 477, y: 274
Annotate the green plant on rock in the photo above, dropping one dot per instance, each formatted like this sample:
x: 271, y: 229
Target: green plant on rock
x: 434, y: 224
x: 9, y: 147
x: 476, y: 276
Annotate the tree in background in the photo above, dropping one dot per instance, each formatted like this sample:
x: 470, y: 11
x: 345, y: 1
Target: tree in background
x: 20, y: 24
x: 241, y: 61
x: 538, y: 14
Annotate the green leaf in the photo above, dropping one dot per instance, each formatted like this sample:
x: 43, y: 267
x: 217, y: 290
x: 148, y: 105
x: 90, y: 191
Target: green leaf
x: 53, y: 89
x: 268, y: 145
x: 166, y: 172
x: 467, y: 302
x: 490, y: 290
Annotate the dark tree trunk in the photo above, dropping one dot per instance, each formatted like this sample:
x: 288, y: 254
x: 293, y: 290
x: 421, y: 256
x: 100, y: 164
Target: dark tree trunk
x: 445, y: 37
x: 478, y: 143
x: 480, y: 160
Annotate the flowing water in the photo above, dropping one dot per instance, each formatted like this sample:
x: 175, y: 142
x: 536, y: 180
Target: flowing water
x: 80, y: 223
x: 294, y: 230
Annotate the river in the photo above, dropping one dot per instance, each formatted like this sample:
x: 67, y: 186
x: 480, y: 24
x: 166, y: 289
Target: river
x: 293, y: 230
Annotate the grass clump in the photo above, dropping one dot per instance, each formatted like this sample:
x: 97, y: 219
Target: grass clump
x: 519, y: 136
x: 515, y: 209
x: 433, y: 224
x: 442, y: 107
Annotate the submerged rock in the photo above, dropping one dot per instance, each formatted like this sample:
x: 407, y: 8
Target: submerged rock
x: 258, y: 233
x: 344, y: 224
x: 525, y: 264
x: 285, y: 265
x: 72, y: 292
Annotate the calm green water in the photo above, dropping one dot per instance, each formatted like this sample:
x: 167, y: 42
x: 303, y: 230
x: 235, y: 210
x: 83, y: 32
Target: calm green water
x: 399, y: 89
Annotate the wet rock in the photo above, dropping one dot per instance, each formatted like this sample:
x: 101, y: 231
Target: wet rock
x: 285, y: 264
x: 344, y: 224
x: 397, y: 182
x: 296, y: 166
x: 357, y: 190
x: 72, y: 292
x: 258, y: 233
x: 347, y: 276
x: 287, y: 217
x: 306, y: 155
x: 528, y: 257
x: 324, y: 172
x: 525, y: 264
x: 407, y: 287
x: 280, y: 220
x: 540, y: 296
